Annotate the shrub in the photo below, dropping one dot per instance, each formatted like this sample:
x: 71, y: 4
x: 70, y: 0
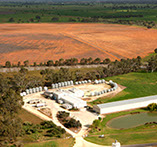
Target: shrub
x: 152, y: 107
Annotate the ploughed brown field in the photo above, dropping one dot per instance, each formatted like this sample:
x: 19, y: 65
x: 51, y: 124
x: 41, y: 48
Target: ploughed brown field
x: 42, y: 42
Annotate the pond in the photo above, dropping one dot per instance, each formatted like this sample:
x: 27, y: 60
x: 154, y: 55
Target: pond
x: 132, y: 120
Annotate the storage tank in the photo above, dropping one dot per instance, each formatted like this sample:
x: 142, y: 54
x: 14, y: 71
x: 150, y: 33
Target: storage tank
x: 45, y: 88
x: 85, y: 81
x: 105, y: 90
x: 89, y: 81
x: 30, y: 91
x: 40, y: 89
x: 62, y: 84
x: 21, y: 94
x: 24, y: 94
x: 71, y: 82
x: 68, y: 83
x: 37, y: 89
x: 65, y: 84
x: 59, y: 84
x: 33, y: 90
x: 96, y: 82
x: 56, y: 85
x: 76, y: 83
x: 99, y: 81
x: 108, y: 90
x: 53, y: 86
x: 27, y: 91
x: 95, y: 93
x: 103, y: 80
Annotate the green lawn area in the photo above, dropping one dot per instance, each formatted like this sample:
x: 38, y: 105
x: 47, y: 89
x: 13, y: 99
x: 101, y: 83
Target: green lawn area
x: 137, y: 85
x: 55, y: 143
x: 138, y: 135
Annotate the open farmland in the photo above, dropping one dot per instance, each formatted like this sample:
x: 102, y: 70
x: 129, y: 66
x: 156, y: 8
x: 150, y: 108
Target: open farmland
x: 42, y: 42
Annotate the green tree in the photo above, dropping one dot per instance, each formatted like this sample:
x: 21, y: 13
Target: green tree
x: 7, y: 64
x: 50, y: 63
x: 106, y: 61
x: 26, y: 63
x: 19, y: 64
x: 152, y: 107
x: 11, y: 19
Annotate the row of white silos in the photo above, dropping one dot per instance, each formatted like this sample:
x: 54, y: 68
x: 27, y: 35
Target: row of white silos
x: 33, y: 90
x: 99, y: 81
x: 62, y: 84
x: 83, y: 82
x: 114, y: 86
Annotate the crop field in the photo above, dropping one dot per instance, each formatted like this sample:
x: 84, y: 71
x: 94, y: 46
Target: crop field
x: 52, y: 41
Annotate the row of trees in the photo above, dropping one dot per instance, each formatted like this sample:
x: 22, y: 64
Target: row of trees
x: 60, y: 62
x: 114, y: 68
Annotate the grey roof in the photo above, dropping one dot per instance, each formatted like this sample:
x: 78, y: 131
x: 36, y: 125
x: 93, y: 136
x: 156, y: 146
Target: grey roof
x: 130, y: 101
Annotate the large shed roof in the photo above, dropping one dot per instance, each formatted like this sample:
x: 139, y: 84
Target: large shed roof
x: 125, y: 102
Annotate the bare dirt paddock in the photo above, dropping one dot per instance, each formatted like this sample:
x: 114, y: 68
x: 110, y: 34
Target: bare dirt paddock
x: 42, y: 42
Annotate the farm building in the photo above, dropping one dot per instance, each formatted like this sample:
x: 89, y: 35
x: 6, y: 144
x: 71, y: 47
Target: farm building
x: 125, y: 105
x: 77, y: 92
x: 69, y: 97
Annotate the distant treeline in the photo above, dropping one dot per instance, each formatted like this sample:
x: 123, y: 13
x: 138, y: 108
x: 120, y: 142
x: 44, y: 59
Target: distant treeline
x: 61, y: 2
x: 60, y: 62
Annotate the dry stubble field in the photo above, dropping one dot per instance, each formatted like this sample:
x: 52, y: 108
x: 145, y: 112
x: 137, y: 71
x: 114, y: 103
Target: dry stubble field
x: 42, y: 42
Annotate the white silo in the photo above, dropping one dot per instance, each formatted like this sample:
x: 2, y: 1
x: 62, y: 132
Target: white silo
x: 33, y: 90
x: 21, y: 94
x: 30, y: 91
x: 40, y: 89
x: 27, y: 91
x: 24, y: 94
x: 45, y: 88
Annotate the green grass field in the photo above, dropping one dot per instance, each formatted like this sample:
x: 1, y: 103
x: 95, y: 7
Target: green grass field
x: 24, y: 12
x: 55, y: 143
x: 137, y: 85
x: 138, y: 135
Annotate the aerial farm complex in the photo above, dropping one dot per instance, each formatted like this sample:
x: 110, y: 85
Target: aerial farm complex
x: 75, y: 94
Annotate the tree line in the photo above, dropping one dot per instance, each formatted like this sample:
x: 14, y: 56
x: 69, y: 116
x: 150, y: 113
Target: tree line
x: 60, y: 62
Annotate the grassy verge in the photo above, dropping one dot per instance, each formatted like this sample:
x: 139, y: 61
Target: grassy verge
x: 138, y: 135
x: 137, y: 85
x: 55, y: 143
x: 27, y: 116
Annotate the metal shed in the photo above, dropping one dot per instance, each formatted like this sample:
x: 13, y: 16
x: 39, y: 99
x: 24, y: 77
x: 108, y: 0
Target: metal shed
x: 125, y: 105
